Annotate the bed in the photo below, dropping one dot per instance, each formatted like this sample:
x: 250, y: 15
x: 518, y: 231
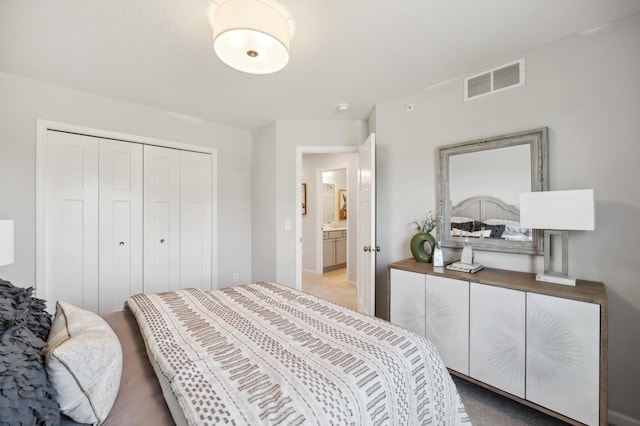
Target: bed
x: 487, y: 217
x: 255, y: 354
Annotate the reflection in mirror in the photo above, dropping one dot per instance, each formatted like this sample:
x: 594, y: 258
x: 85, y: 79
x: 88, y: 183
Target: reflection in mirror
x: 480, y: 184
x: 333, y: 182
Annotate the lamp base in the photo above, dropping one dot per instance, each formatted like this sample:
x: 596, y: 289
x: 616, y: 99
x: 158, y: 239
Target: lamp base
x: 555, y: 279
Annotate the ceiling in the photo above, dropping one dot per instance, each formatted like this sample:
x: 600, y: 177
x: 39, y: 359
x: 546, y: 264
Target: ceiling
x: 159, y: 53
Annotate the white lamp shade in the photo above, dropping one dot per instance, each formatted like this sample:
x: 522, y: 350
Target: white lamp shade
x: 558, y: 210
x: 251, y: 36
x: 6, y: 242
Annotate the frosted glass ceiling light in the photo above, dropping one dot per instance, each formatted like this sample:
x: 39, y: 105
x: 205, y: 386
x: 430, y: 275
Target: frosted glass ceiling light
x: 251, y: 36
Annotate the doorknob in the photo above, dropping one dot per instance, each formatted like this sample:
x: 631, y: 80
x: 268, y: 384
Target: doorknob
x: 121, y: 243
x: 162, y: 241
x: 367, y: 248
x: 377, y: 248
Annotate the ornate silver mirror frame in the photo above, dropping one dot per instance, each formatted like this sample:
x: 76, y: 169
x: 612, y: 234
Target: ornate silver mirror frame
x: 479, y: 170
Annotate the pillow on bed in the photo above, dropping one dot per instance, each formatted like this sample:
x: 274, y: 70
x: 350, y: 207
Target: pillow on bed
x: 26, y: 396
x: 463, y: 226
x: 496, y: 230
x: 84, y: 363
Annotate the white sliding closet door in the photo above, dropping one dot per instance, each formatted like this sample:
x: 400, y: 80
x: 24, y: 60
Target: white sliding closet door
x: 71, y: 231
x: 161, y: 219
x: 195, y: 220
x: 120, y: 223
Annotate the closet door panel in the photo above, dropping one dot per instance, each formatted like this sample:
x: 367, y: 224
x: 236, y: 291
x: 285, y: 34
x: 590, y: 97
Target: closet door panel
x: 120, y: 223
x: 195, y: 220
x: 71, y: 234
x: 161, y: 219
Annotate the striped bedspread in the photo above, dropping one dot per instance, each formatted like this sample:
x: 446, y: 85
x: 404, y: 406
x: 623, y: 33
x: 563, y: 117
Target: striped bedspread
x: 267, y: 354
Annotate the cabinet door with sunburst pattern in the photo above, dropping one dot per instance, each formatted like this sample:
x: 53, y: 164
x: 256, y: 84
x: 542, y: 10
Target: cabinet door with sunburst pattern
x: 447, y: 320
x: 497, y: 342
x: 407, y: 300
x: 563, y: 356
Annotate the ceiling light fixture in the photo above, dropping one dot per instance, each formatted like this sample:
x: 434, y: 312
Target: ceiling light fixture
x: 251, y: 36
x: 342, y: 107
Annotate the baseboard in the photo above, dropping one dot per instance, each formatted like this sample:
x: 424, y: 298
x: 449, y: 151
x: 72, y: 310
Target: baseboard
x: 312, y: 272
x: 618, y: 419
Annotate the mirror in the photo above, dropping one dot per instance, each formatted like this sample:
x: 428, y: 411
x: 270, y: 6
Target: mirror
x: 334, y: 197
x: 328, y: 214
x: 480, y: 185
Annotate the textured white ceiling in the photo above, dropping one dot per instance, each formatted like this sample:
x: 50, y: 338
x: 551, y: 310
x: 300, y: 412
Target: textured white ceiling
x: 159, y: 52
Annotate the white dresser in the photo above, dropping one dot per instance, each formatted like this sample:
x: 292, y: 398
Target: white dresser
x: 544, y: 345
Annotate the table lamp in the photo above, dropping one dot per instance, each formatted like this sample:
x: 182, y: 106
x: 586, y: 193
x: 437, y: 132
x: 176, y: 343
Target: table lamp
x: 6, y: 242
x: 557, y: 212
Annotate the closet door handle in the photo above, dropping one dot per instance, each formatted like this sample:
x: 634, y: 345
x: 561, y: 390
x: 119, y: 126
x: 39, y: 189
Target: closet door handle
x: 162, y: 241
x: 121, y: 243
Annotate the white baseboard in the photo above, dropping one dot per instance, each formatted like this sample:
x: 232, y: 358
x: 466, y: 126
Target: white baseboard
x: 312, y: 272
x: 618, y: 419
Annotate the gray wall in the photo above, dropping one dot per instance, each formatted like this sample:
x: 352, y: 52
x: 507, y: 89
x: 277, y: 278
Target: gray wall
x: 586, y: 90
x: 22, y: 101
x: 289, y: 135
x: 263, y: 196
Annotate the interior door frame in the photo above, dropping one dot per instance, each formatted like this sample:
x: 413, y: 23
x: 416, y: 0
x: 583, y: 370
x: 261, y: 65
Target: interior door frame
x: 300, y: 151
x: 44, y: 126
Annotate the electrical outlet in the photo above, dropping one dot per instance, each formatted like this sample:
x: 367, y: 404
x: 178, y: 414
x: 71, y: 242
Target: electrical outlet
x: 236, y: 277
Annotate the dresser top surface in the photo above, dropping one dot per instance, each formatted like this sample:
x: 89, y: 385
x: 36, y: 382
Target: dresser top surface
x: 589, y: 291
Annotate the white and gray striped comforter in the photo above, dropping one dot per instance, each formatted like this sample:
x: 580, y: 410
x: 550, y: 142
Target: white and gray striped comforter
x: 267, y: 354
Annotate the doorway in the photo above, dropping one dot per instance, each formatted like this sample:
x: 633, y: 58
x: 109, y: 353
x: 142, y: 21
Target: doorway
x: 328, y: 227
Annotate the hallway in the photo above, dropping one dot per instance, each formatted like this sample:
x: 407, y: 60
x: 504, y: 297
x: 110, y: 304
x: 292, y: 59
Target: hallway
x: 332, y: 286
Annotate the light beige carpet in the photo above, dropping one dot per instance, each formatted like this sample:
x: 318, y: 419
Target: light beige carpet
x: 332, y: 286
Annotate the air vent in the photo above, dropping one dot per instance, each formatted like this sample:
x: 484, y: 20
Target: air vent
x: 504, y: 77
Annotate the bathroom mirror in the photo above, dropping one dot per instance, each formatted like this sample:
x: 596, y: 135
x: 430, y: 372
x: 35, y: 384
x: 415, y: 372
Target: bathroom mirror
x: 480, y: 185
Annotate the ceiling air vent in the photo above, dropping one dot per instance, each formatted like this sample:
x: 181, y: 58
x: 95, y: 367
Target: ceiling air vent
x: 501, y: 78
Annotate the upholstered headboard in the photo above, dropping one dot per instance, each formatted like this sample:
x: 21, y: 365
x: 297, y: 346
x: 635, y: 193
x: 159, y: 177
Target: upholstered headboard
x: 484, y: 208
x: 487, y: 217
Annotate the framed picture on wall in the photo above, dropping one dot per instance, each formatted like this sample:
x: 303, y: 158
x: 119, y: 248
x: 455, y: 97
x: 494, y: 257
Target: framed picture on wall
x: 342, y: 204
x: 304, y: 199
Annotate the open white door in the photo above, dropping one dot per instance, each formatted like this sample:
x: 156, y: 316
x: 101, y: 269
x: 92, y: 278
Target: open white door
x: 367, y: 246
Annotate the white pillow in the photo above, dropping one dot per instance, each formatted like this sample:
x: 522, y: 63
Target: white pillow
x: 84, y: 363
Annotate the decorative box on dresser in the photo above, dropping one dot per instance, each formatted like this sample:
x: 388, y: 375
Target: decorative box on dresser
x: 544, y: 345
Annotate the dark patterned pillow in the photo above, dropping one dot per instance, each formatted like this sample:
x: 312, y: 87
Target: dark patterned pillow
x: 463, y: 226
x: 26, y: 396
x: 496, y: 230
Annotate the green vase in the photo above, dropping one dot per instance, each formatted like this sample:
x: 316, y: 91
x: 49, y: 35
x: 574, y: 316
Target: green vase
x: 418, y: 250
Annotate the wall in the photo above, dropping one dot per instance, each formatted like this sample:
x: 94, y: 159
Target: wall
x: 311, y: 163
x: 289, y: 136
x: 585, y: 90
x: 22, y: 101
x: 263, y: 196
